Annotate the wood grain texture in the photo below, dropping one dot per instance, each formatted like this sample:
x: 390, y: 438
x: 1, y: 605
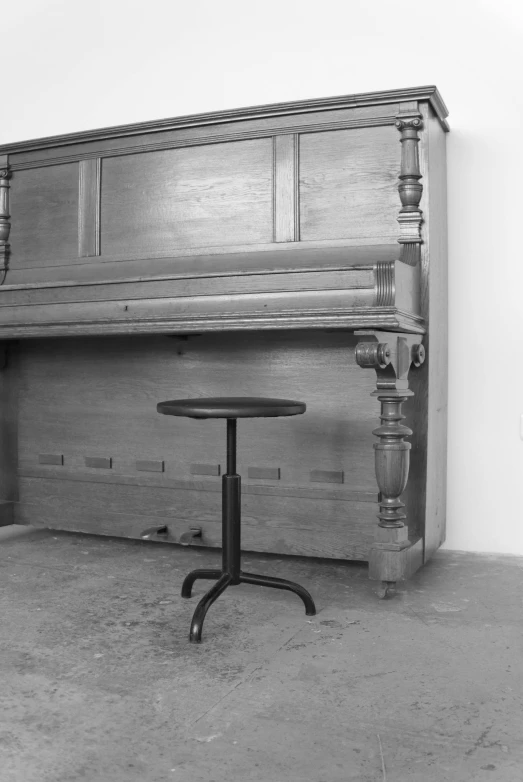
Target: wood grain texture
x: 115, y: 412
x: 89, y: 208
x: 358, y: 281
x: 279, y: 525
x: 192, y: 197
x: 286, y: 188
x: 44, y: 216
x: 99, y: 397
x: 348, y: 183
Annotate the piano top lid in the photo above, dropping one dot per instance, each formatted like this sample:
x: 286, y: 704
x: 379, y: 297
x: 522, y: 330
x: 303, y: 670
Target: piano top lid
x: 429, y: 93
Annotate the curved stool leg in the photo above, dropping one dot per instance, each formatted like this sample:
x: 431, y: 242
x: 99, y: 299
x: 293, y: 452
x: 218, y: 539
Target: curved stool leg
x: 193, y: 576
x: 281, y: 583
x: 195, y: 636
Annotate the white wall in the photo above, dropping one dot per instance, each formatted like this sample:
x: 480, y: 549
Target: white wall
x: 71, y: 65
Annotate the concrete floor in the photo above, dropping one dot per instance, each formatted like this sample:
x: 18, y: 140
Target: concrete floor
x: 99, y: 683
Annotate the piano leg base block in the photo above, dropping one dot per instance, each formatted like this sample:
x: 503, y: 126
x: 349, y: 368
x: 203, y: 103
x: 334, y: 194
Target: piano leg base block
x: 392, y: 565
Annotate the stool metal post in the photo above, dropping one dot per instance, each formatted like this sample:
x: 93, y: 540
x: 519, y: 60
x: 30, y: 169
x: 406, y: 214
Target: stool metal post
x: 231, y: 509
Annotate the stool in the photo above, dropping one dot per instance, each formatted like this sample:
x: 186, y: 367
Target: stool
x: 231, y: 574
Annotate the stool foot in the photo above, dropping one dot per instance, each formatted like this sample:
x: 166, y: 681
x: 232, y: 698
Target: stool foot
x: 195, y: 635
x: 193, y: 576
x: 281, y: 583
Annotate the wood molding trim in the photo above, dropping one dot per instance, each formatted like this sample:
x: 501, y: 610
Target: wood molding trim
x: 368, y: 317
x: 207, y: 485
x: 429, y: 93
x: 89, y: 207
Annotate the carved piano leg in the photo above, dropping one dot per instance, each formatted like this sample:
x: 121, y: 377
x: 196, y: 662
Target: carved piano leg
x: 391, y: 356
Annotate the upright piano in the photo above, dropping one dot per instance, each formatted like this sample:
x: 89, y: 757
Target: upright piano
x: 294, y: 250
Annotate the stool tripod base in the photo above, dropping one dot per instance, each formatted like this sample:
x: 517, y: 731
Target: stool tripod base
x: 226, y: 579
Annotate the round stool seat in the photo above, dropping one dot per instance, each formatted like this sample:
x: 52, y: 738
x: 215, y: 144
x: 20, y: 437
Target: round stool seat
x: 231, y: 407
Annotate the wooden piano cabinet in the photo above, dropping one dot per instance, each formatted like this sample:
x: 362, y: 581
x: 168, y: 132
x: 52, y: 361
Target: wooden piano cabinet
x: 292, y: 250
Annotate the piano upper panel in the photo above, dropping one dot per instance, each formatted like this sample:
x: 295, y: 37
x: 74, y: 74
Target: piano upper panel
x: 273, y: 217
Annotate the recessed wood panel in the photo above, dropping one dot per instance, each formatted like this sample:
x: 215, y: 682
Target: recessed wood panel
x: 87, y: 397
x: 348, y: 183
x: 44, y: 216
x: 219, y: 194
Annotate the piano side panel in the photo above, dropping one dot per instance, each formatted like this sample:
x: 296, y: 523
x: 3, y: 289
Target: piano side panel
x: 434, y: 294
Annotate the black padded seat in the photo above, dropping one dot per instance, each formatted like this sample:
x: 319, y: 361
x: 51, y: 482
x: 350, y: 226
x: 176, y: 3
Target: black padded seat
x: 231, y: 407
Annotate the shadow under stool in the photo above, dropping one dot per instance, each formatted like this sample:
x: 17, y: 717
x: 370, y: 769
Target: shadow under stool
x: 231, y: 573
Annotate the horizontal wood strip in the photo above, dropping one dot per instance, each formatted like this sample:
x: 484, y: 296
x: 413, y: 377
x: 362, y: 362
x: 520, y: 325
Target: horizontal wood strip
x: 186, y: 307
x: 278, y: 512
x: 348, y: 279
x: 254, y: 538
x: 217, y: 261
x: 287, y: 526
x: 386, y: 319
x: 116, y: 150
x: 316, y: 493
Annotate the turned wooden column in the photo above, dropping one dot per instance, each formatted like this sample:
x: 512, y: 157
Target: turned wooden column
x: 391, y: 356
x: 5, y: 225
x: 410, y: 189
